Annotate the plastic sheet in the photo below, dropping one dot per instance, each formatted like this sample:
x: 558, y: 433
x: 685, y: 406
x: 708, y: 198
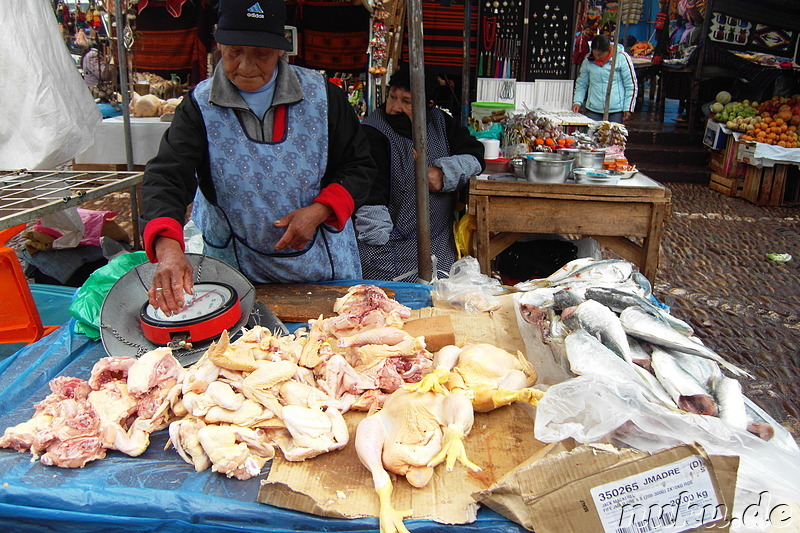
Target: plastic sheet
x: 49, y: 116
x: 156, y: 491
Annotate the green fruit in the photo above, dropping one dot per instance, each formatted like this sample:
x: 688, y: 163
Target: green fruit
x: 723, y: 97
x: 717, y: 107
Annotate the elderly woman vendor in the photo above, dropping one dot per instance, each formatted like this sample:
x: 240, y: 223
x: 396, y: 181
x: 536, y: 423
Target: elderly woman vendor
x: 273, y: 158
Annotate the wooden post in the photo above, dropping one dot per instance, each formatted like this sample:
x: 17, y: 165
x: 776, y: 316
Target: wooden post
x: 613, y: 60
x: 419, y: 128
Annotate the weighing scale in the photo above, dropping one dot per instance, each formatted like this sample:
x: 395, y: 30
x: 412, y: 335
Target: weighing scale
x: 131, y: 327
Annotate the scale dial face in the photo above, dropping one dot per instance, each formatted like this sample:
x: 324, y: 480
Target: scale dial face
x: 209, y: 300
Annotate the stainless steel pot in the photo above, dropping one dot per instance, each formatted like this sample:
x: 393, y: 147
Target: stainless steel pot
x: 548, y: 167
x: 589, y: 159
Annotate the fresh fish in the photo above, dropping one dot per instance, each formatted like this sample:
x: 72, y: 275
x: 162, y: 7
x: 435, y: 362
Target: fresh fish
x: 606, y: 271
x: 603, y: 323
x: 643, y: 326
x: 681, y: 386
x: 705, y: 371
x: 584, y: 271
x: 540, y: 297
x: 728, y: 392
x: 619, y: 300
x: 587, y: 355
x: 569, y: 268
x: 566, y: 298
x: 758, y: 422
x: 639, y: 355
x: 644, y: 284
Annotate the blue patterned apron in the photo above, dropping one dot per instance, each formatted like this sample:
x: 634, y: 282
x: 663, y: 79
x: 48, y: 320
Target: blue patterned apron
x: 397, y: 259
x: 260, y: 182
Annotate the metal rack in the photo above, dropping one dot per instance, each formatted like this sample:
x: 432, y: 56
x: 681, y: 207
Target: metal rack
x: 26, y: 195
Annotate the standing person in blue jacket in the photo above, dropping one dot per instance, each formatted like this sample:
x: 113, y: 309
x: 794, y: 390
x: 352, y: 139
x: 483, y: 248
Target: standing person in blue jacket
x: 386, y: 225
x: 590, y: 87
x: 273, y: 157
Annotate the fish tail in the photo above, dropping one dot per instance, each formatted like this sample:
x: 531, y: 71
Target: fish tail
x: 735, y: 369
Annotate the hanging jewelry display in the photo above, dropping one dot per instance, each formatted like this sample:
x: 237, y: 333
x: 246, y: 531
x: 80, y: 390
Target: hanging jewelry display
x: 500, y: 30
x: 549, y: 30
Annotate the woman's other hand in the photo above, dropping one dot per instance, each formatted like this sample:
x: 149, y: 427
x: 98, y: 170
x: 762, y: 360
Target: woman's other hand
x: 300, y: 225
x: 576, y: 108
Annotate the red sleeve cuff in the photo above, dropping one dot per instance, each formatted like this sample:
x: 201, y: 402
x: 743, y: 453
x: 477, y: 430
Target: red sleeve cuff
x: 337, y: 198
x: 161, y: 227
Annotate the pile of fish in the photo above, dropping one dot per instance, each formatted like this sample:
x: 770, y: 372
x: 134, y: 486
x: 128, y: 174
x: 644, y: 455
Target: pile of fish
x: 604, y: 314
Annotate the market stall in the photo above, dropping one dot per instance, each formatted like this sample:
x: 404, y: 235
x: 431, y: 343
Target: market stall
x: 611, y: 214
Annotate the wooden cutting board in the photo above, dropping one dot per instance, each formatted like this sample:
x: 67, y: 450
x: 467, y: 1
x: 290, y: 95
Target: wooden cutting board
x: 301, y: 302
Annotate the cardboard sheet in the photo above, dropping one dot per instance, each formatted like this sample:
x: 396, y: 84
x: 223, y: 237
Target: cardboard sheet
x: 337, y: 485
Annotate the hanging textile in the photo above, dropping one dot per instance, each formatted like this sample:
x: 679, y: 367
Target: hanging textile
x: 167, y: 45
x: 631, y: 12
x: 335, y: 35
x: 444, y: 34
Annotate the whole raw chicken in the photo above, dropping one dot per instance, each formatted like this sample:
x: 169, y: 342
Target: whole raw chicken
x: 493, y: 376
x: 413, y: 433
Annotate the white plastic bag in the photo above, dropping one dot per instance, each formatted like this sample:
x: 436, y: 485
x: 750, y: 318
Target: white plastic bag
x: 467, y: 288
x: 48, y: 114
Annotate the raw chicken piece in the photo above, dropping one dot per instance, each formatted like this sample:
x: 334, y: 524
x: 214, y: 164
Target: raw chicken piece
x: 199, y: 375
x: 250, y: 413
x: 234, y: 451
x: 385, y: 335
x: 361, y: 298
x: 313, y: 432
x: 231, y: 357
x: 114, y: 406
x: 411, y: 434
x: 67, y: 387
x: 363, y: 308
x: 74, y: 453
x: 110, y: 369
x: 22, y: 436
x: 183, y: 436
x: 310, y: 355
x: 492, y: 375
x: 151, y: 370
x: 258, y: 385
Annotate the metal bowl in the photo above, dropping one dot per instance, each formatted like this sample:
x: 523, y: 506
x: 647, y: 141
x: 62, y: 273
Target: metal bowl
x: 548, y: 167
x: 595, y: 176
x: 590, y: 158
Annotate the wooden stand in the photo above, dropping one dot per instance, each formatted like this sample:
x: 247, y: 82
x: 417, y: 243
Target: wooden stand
x: 611, y: 214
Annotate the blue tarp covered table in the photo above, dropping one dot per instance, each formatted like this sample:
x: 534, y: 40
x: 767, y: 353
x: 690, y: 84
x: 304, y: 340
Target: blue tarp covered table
x: 156, y: 491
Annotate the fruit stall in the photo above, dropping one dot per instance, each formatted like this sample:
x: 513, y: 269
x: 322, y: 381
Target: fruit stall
x: 754, y: 148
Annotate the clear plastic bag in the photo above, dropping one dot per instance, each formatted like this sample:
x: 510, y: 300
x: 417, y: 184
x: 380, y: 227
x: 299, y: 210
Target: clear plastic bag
x: 467, y: 288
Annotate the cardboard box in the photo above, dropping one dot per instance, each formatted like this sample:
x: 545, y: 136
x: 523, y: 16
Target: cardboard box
x: 714, y: 137
x: 596, y: 487
x: 746, y: 153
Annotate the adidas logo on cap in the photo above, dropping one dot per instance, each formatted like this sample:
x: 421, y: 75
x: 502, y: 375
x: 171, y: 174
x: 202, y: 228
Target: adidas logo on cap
x: 255, y: 11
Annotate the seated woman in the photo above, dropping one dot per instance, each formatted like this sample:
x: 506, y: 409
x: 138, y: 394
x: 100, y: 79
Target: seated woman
x: 386, y: 226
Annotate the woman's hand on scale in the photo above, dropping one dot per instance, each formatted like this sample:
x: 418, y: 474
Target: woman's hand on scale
x: 172, y: 280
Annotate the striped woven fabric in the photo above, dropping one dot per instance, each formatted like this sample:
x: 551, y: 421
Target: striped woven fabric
x: 443, y: 39
x: 333, y: 35
x: 166, y: 50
